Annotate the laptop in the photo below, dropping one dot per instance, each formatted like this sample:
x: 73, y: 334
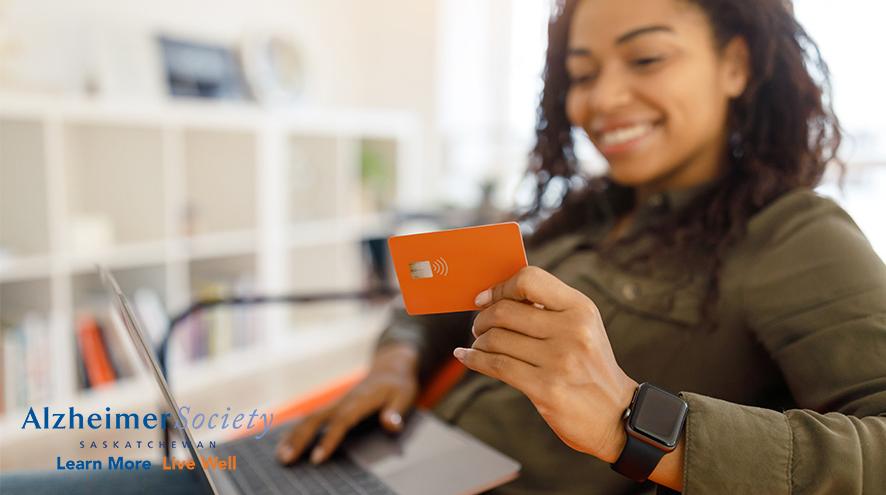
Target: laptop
x: 428, y: 457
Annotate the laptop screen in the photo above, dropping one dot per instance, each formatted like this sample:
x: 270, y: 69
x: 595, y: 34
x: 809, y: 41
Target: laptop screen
x: 133, y: 328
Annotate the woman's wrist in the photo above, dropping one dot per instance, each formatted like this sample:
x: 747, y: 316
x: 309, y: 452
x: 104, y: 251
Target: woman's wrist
x: 613, y: 448
x: 669, y: 471
x: 401, y: 357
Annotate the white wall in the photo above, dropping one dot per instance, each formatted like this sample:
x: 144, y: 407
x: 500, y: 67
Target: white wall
x: 353, y: 48
x: 845, y: 35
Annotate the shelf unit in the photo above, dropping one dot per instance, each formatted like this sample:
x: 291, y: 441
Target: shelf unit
x: 174, y: 197
x: 252, y: 378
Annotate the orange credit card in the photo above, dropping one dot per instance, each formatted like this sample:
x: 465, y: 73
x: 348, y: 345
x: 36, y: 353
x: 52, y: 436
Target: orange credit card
x: 442, y: 272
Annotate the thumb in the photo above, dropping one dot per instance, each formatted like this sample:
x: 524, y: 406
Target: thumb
x: 395, y: 408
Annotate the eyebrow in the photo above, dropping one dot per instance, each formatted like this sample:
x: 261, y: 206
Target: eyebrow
x: 644, y: 30
x: 584, y: 52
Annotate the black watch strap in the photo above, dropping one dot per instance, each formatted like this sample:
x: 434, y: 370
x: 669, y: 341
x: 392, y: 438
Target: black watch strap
x: 638, y: 459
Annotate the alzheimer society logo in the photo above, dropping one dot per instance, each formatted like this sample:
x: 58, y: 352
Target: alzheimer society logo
x: 70, y: 419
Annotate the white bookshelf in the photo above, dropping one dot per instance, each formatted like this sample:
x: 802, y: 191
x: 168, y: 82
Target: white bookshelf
x: 260, y: 378
x: 185, y: 195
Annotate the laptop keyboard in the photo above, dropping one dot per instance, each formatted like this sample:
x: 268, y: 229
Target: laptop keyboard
x: 259, y: 473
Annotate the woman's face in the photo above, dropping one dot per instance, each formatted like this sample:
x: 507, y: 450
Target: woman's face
x: 651, y: 89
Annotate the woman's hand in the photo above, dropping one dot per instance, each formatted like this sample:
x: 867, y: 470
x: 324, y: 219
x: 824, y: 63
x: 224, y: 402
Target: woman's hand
x: 390, y: 387
x: 546, y: 339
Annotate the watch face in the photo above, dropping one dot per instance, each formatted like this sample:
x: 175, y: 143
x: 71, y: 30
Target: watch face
x: 658, y: 415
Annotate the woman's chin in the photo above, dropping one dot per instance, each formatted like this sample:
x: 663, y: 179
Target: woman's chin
x: 631, y: 174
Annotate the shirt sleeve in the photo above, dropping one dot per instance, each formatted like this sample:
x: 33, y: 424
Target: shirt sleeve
x: 434, y: 336
x: 815, y: 297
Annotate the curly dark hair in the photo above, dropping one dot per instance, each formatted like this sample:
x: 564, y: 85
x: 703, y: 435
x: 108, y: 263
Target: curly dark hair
x: 783, y: 135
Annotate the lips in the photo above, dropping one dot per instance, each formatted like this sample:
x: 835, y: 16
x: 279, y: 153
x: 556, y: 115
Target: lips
x: 625, y: 134
x: 621, y: 138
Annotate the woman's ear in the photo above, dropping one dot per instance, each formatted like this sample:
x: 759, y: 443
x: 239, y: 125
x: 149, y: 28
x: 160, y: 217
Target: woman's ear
x: 736, y: 65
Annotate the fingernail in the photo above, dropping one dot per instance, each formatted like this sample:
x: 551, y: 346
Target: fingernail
x: 459, y: 353
x: 284, y: 453
x: 473, y: 332
x: 394, y: 418
x: 483, y: 298
x: 317, y: 455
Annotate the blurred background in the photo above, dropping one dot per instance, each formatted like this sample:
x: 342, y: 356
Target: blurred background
x: 206, y: 149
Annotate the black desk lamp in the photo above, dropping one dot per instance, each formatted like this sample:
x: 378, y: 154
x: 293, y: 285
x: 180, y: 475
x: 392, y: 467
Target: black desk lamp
x: 383, y: 292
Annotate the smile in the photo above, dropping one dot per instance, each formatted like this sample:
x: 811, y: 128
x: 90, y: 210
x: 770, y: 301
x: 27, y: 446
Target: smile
x: 625, y: 135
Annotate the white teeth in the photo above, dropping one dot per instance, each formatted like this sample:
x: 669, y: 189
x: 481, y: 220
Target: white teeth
x: 625, y: 134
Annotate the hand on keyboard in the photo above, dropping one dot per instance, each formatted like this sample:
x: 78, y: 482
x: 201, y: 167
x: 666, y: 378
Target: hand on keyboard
x: 390, y: 388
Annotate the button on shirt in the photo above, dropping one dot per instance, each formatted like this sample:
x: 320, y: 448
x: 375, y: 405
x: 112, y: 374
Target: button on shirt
x: 786, y: 395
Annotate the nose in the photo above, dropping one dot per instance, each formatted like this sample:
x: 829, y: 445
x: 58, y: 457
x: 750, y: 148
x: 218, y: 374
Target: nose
x: 610, y: 91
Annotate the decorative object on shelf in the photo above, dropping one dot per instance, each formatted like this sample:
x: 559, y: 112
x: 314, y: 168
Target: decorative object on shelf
x: 378, y: 178
x: 45, y: 57
x: 274, y: 68
x: 197, y: 69
x: 124, y: 63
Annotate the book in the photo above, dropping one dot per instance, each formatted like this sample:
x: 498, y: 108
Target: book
x: 37, y: 362
x: 152, y: 313
x: 26, y: 368
x: 124, y: 357
x: 99, y: 370
x: 14, y: 384
x: 217, y: 321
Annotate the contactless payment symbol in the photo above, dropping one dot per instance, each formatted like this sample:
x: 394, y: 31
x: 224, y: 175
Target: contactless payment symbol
x: 427, y: 269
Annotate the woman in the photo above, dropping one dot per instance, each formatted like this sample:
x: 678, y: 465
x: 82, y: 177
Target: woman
x: 702, y: 263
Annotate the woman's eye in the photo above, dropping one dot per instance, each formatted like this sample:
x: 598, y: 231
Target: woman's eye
x: 646, y: 61
x: 582, y: 79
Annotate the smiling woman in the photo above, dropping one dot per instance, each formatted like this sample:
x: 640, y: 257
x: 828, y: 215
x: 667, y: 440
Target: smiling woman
x: 702, y: 262
x: 680, y: 93
x: 653, y: 98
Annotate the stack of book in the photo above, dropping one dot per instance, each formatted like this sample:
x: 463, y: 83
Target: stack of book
x: 27, y: 376
x: 105, y: 352
x: 216, y: 330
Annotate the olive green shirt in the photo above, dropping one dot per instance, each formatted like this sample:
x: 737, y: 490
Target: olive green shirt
x: 786, y: 395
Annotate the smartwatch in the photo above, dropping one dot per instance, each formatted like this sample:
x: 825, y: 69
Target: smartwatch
x: 653, y: 423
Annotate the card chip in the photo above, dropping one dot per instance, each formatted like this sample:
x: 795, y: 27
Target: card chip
x: 420, y: 269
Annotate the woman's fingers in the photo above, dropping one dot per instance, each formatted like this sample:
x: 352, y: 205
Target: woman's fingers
x: 516, y: 345
x: 290, y: 448
x: 516, y: 373
x: 398, y: 403
x: 343, y: 419
x: 516, y: 316
x: 534, y: 285
x: 391, y: 386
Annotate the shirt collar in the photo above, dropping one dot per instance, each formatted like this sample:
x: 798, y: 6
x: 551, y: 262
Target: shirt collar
x: 615, y: 199
x: 676, y: 200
